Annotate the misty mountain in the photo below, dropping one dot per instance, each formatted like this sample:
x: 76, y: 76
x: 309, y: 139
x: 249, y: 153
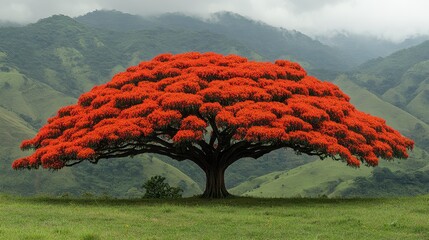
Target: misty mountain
x: 72, y: 57
x: 268, y: 41
x: 339, y: 52
x: 8, y: 24
x: 361, y: 48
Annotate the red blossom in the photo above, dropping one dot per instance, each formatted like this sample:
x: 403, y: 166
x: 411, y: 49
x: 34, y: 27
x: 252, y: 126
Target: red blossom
x: 174, y: 102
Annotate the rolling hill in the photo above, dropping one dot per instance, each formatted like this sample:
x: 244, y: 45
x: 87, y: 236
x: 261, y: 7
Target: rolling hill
x: 401, y: 79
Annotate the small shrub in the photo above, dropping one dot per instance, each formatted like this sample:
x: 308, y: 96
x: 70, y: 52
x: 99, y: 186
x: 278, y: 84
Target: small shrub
x: 6, y: 86
x: 4, y: 69
x: 157, y: 188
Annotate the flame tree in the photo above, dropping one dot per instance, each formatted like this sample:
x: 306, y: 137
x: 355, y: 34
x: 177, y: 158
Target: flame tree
x: 212, y: 110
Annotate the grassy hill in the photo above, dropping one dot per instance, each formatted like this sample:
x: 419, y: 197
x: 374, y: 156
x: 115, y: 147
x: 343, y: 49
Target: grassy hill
x: 401, y: 79
x: 31, y: 100
x: 335, y: 179
x: 369, y: 102
x: 12, y: 128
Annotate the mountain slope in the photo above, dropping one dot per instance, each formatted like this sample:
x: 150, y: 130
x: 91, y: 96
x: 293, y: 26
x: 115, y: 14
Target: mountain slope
x: 270, y: 42
x: 57, y: 51
x: 335, y: 179
x: 401, y: 79
x: 33, y: 101
x: 12, y: 129
x: 407, y: 124
x: 361, y: 48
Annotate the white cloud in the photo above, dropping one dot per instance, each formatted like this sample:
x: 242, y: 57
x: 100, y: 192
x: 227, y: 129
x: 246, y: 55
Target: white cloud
x: 392, y: 19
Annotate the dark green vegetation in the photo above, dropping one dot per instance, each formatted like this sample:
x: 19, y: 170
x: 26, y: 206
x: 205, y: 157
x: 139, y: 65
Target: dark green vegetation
x: 269, y: 42
x: 48, y: 64
x: 156, y: 187
x: 194, y: 218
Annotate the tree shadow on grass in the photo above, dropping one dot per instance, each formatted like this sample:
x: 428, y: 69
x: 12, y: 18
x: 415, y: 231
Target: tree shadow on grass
x: 246, y: 202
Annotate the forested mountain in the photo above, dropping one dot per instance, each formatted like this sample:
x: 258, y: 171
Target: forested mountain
x: 338, y: 52
x: 48, y: 64
x: 268, y: 41
x: 360, y: 48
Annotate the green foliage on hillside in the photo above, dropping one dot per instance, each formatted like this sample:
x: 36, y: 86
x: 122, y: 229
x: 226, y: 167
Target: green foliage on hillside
x: 401, y: 79
x: 400, y: 119
x: 119, y: 178
x: 269, y: 42
x: 333, y: 179
x: 31, y: 100
x: 385, y: 183
x: 390, y: 69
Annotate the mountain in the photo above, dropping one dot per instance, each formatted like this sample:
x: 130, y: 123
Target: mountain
x: 8, y: 24
x: 77, y: 57
x: 401, y: 79
x: 268, y: 41
x: 361, y: 48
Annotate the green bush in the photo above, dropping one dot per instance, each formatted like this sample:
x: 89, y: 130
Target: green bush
x: 157, y: 188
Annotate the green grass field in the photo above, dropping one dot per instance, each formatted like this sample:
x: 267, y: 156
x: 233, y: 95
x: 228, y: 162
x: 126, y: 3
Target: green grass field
x: 234, y: 218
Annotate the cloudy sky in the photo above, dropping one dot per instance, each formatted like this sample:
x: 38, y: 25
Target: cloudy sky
x: 390, y: 19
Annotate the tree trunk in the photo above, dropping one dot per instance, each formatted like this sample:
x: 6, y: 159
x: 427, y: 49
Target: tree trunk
x: 215, y: 183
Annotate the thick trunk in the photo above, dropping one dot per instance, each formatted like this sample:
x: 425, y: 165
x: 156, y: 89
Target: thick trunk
x: 215, y: 183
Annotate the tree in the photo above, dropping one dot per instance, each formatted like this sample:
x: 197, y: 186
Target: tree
x: 212, y: 110
x: 156, y: 187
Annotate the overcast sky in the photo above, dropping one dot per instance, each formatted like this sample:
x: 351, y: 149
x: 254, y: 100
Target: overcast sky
x: 391, y: 19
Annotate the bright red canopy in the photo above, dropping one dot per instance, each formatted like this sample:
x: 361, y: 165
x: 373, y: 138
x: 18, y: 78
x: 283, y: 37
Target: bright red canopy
x: 191, y: 105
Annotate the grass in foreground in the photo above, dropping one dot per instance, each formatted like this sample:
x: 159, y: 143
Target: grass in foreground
x: 234, y: 218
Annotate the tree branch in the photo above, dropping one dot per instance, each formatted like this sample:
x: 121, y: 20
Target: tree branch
x: 215, y: 133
